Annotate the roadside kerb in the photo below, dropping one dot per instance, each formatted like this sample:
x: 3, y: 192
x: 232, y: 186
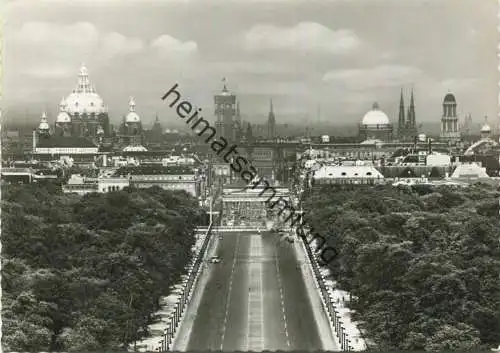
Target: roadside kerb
x: 336, y: 323
x: 185, y: 298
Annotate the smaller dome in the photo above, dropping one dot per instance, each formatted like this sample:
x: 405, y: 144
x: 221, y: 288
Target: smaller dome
x: 63, y: 116
x: 100, y: 130
x: 44, y: 125
x: 132, y: 116
x: 486, y: 128
x: 449, y: 98
x: 225, y: 91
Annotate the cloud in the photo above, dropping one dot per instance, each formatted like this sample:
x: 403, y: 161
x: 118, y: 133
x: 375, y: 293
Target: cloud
x: 257, y: 67
x: 304, y: 37
x: 381, y: 76
x: 117, y: 44
x: 43, y: 49
x: 166, y: 45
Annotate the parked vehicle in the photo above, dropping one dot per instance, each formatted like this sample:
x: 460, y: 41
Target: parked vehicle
x: 215, y: 259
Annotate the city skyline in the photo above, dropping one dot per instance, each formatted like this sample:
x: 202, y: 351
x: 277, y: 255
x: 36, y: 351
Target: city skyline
x: 353, y: 60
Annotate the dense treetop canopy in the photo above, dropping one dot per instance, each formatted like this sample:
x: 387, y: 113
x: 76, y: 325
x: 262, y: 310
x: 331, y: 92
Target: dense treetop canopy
x: 422, y: 264
x: 86, y: 273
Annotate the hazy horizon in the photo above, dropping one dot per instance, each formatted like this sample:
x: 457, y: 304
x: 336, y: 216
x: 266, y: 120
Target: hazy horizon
x: 299, y: 53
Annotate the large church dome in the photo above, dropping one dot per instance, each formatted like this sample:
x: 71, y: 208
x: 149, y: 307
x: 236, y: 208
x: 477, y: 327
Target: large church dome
x: 375, y: 116
x: 84, y: 98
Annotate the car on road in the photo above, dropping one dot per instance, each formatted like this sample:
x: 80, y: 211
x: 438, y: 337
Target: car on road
x: 215, y: 259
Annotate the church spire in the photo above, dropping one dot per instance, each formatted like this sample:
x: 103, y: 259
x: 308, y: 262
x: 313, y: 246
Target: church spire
x: 271, y: 121
x: 411, y: 115
x: 238, y: 114
x: 401, y: 120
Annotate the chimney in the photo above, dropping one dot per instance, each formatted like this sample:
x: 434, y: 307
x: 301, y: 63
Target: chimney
x: 34, y: 140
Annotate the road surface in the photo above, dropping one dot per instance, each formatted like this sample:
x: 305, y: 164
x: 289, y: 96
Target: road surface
x: 255, y: 299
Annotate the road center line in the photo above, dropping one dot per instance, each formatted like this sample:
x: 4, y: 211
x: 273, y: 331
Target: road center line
x: 282, y: 298
x: 255, y: 326
x: 228, y: 302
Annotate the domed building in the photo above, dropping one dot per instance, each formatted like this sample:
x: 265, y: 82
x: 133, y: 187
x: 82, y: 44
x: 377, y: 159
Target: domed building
x: 43, y: 128
x: 486, y: 129
x: 485, y: 144
x: 82, y: 112
x: 63, y: 120
x: 131, y: 129
x: 375, y: 125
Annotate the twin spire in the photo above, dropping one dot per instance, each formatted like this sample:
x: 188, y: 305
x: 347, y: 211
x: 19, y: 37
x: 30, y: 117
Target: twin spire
x: 407, y: 125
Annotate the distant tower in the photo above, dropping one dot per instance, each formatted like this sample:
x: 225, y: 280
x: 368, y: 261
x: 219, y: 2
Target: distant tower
x: 63, y: 121
x: 249, y: 133
x: 133, y: 124
x: 225, y: 111
x: 449, y: 121
x: 271, y: 122
x: 412, y: 121
x: 486, y: 129
x: 465, y: 128
x: 43, y: 128
x: 238, y: 126
x: 157, y: 125
x: 238, y: 114
x: 157, y: 130
x: 401, y: 120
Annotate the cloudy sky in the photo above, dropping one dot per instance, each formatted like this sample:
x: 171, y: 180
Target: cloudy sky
x: 340, y: 54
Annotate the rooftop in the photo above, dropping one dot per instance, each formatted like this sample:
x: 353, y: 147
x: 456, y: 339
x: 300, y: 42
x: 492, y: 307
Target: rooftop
x: 154, y: 170
x: 65, y: 142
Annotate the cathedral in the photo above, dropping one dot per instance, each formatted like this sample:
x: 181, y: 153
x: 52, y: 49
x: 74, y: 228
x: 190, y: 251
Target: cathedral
x: 82, y: 113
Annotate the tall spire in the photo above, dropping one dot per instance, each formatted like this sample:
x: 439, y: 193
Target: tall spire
x: 411, y: 114
x: 238, y: 115
x: 401, y: 119
x: 271, y: 121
